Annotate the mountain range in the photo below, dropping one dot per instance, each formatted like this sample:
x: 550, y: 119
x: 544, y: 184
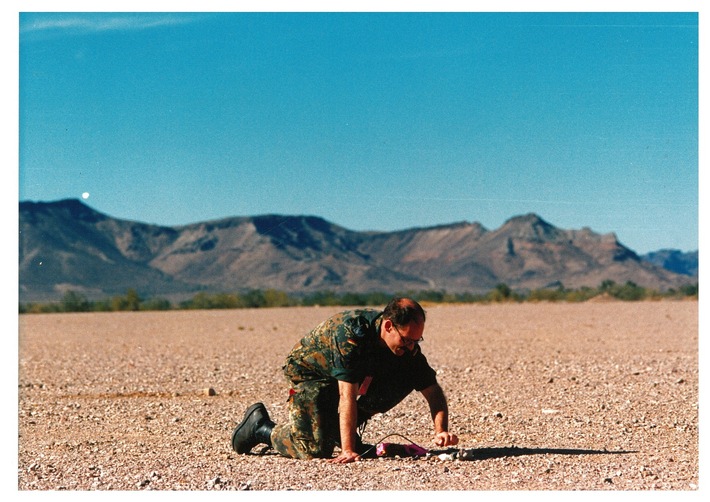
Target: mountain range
x: 68, y: 246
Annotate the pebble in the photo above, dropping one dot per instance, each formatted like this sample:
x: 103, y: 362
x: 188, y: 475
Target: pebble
x: 121, y: 385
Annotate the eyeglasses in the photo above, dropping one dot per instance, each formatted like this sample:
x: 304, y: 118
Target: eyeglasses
x: 409, y: 343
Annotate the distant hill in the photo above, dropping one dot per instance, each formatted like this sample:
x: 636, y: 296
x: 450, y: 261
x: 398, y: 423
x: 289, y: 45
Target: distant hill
x: 675, y: 261
x: 66, y: 245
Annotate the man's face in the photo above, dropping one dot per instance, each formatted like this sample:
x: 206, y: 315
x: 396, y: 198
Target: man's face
x: 403, y: 339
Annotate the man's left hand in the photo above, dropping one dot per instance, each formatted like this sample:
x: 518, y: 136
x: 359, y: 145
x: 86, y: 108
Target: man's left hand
x: 445, y: 439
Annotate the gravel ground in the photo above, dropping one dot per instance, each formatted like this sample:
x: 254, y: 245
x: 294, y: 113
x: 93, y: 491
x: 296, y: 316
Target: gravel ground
x: 594, y: 396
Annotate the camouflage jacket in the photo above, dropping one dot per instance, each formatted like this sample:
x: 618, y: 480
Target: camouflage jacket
x: 347, y: 347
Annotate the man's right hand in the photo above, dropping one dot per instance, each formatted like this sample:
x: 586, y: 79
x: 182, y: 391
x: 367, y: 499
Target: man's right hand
x: 345, y: 457
x: 347, y: 407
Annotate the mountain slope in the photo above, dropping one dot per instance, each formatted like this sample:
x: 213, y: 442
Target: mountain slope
x: 66, y: 245
x: 293, y: 253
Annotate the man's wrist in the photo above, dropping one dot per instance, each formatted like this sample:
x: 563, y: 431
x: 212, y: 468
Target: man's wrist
x: 348, y: 445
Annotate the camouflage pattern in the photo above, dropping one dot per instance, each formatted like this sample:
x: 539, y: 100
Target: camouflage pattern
x: 313, y: 425
x: 345, y: 347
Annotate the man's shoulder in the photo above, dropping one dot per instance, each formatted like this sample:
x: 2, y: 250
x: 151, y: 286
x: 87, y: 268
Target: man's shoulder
x: 355, y: 315
x: 360, y: 312
x: 354, y: 324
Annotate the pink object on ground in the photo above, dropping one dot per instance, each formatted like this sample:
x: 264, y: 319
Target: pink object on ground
x: 403, y: 450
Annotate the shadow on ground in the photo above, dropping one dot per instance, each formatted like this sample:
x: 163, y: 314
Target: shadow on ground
x: 514, y: 451
x: 489, y: 453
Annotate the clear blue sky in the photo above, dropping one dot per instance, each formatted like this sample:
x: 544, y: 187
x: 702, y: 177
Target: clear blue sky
x: 373, y: 121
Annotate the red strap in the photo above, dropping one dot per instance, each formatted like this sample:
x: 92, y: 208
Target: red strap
x: 364, y: 385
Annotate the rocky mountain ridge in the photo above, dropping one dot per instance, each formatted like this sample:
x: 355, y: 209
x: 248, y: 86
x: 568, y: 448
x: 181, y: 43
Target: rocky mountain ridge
x: 66, y: 245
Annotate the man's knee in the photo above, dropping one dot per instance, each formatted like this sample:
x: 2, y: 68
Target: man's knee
x: 301, y: 447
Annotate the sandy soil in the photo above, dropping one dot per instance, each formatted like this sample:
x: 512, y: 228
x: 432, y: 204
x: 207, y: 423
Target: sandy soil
x: 595, y: 396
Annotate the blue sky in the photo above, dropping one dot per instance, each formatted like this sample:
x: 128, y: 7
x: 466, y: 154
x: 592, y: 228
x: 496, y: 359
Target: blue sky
x: 379, y: 121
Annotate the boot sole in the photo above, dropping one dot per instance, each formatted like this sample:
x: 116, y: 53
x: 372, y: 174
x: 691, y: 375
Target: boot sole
x: 247, y: 414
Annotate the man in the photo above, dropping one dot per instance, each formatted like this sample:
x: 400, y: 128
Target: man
x: 350, y: 367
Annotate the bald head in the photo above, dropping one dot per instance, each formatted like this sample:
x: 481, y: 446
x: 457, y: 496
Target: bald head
x: 402, y: 311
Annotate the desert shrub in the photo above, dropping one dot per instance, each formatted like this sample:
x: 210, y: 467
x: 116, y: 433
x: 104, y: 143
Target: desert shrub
x: 689, y: 289
x: 40, y: 308
x: 204, y: 301
x: 74, y: 302
x: 156, y: 304
x: 276, y: 298
x: 503, y: 293
x: 546, y: 295
x: 324, y: 298
x: 581, y: 295
x: 101, y: 306
x: 129, y: 302
x: 253, y: 299
x: 627, y: 292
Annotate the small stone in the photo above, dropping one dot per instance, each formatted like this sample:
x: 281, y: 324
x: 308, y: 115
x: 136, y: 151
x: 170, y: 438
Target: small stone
x: 209, y: 391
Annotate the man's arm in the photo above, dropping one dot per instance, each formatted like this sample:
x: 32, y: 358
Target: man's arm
x: 348, y: 422
x: 439, y: 409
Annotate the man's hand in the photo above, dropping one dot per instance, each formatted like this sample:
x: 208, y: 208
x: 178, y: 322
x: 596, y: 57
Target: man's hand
x: 347, y: 407
x: 440, y: 414
x: 445, y: 439
x: 345, y: 457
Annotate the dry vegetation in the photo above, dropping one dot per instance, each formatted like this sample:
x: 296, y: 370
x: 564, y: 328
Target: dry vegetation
x: 594, y: 396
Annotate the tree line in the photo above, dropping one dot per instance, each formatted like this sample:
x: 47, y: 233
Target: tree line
x: 73, y: 301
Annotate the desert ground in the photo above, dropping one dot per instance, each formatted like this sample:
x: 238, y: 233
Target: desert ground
x: 592, y: 396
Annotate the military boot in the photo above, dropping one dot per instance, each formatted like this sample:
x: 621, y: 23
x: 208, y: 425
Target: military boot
x: 255, y: 429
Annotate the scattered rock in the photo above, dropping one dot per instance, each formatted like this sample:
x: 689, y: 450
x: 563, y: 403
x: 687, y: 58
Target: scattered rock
x: 104, y: 420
